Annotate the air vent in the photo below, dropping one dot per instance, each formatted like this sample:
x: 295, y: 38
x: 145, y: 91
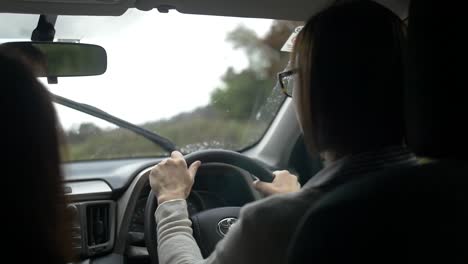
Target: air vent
x: 98, y: 224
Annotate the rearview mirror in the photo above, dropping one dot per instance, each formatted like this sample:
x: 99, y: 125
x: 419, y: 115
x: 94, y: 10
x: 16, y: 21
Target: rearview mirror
x: 59, y: 59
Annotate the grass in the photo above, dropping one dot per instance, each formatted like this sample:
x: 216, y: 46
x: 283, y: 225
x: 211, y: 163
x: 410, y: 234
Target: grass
x: 189, y: 134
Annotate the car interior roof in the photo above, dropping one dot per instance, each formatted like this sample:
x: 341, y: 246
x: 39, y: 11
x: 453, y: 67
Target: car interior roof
x: 298, y: 10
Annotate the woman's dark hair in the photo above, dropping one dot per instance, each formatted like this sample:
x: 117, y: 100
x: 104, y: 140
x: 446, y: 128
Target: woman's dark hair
x: 35, y: 222
x: 351, y: 73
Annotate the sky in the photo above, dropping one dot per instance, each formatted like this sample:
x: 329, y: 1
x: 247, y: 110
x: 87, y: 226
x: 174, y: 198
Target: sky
x: 159, y: 65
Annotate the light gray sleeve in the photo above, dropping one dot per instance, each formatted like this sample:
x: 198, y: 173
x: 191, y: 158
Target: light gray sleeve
x: 176, y: 244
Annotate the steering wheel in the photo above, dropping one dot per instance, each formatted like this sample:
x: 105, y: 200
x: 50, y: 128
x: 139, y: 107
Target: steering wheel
x: 211, y: 225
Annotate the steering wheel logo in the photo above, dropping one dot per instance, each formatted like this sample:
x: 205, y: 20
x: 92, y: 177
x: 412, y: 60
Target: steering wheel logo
x: 225, y: 224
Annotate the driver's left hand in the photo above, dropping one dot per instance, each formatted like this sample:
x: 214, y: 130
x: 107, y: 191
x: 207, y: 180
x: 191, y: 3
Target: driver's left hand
x: 171, y: 179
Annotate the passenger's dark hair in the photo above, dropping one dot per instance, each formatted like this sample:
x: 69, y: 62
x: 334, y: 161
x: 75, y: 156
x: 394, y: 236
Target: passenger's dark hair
x: 28, y: 54
x: 351, y: 74
x: 35, y: 222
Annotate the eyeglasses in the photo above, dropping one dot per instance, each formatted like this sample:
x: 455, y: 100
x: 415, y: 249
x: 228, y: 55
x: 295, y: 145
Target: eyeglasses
x: 286, y: 80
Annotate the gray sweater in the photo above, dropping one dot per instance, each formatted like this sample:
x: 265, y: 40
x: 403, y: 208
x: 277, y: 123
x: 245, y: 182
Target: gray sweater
x: 265, y: 227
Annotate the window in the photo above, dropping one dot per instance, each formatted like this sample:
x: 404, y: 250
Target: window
x: 200, y: 81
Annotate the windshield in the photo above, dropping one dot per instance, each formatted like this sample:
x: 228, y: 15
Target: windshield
x: 200, y: 81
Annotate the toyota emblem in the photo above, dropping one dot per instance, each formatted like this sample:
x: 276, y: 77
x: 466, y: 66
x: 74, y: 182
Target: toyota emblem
x: 225, y: 224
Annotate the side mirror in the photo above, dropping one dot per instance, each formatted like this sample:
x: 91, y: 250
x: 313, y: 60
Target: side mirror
x: 59, y: 59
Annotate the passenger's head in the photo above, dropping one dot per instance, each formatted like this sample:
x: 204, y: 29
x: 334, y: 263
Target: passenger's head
x: 349, y: 94
x: 34, y: 215
x: 29, y: 54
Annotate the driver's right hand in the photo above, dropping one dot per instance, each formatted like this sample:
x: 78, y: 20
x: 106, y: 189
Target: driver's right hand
x: 284, y: 182
x: 171, y: 179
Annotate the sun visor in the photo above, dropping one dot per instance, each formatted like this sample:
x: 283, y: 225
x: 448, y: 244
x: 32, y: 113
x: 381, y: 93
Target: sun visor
x: 289, y: 44
x: 66, y: 7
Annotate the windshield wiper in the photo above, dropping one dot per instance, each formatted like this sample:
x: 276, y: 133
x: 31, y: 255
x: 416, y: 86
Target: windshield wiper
x: 161, y: 141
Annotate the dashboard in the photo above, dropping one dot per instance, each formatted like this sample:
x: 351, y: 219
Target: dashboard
x: 117, y: 201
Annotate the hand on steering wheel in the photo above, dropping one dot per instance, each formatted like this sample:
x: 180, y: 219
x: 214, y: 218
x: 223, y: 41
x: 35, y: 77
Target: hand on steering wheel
x: 171, y: 179
x: 284, y: 182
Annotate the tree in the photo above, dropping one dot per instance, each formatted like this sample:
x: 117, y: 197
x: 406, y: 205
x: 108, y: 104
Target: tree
x: 84, y: 131
x: 244, y: 92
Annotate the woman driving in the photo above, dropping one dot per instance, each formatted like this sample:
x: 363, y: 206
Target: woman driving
x: 347, y: 85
